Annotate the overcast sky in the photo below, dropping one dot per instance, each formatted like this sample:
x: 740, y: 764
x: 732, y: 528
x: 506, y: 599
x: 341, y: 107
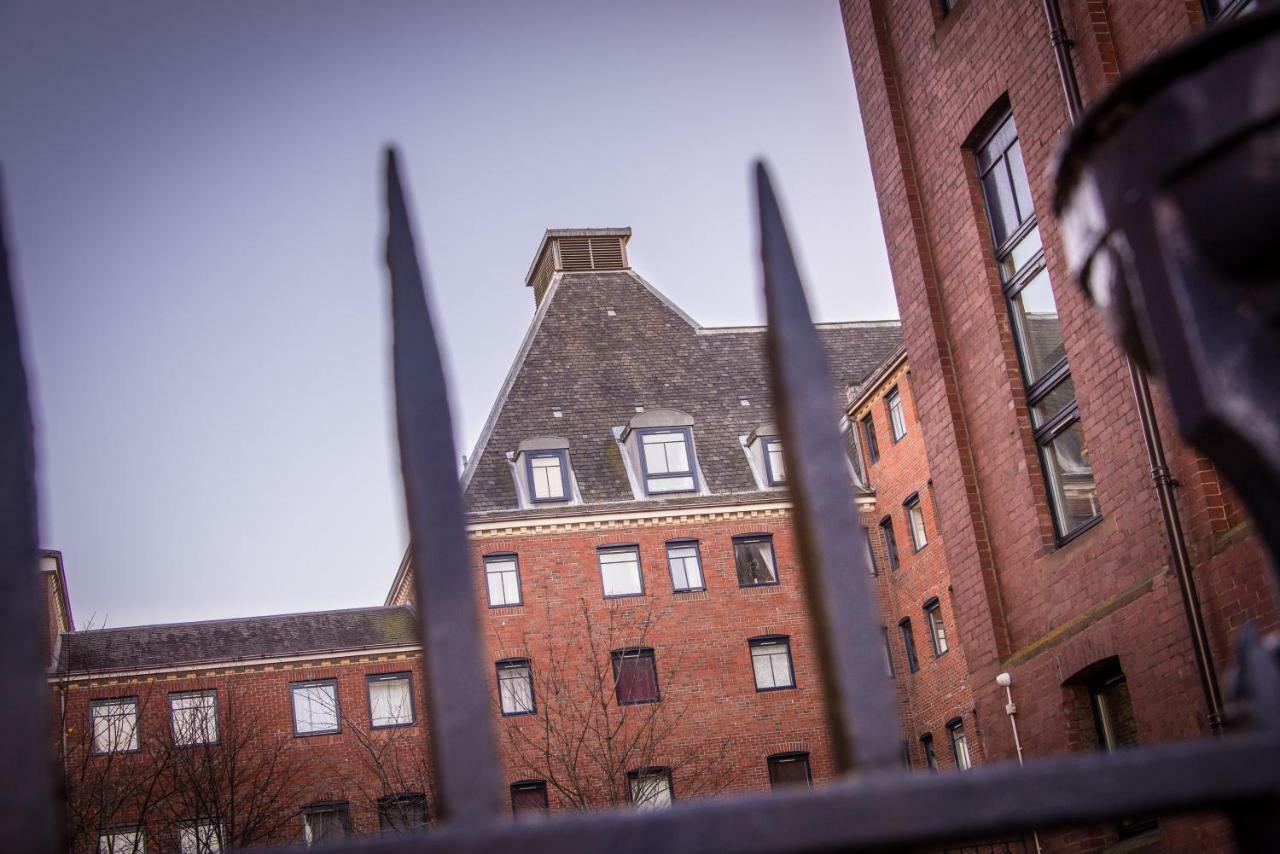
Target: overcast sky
x: 195, y: 222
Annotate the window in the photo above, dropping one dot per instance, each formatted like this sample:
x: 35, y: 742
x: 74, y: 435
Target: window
x: 620, y: 571
x: 193, y: 717
x: 771, y: 663
x: 888, y: 654
x: 897, y: 421
x: 775, y: 468
x: 123, y: 841
x: 930, y: 758
x: 402, y: 813
x: 948, y: 5
x: 937, y: 631
x: 650, y: 788
x: 890, y: 544
x: 528, y: 796
x: 666, y: 456
x: 753, y: 556
x: 635, y: 676
x: 502, y: 575
x: 915, y: 521
x: 869, y: 432
x: 909, y: 643
x: 515, y: 687
x: 849, y: 432
x: 548, y: 474
x: 790, y: 769
x: 315, y: 707
x: 115, y: 725
x: 1037, y: 332
x: 685, y: 562
x: 390, y: 700
x: 200, y: 837
x: 871, y: 555
x: 959, y: 744
x: 1116, y: 726
x: 1222, y: 9
x: 325, y: 824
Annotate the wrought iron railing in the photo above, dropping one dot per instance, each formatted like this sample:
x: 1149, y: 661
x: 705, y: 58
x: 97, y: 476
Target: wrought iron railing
x: 875, y: 805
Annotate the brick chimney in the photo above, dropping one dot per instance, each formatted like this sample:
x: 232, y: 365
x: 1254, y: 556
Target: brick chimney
x: 575, y: 250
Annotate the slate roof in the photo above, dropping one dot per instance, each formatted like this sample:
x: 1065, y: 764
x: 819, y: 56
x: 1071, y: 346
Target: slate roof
x: 177, y: 644
x: 598, y: 368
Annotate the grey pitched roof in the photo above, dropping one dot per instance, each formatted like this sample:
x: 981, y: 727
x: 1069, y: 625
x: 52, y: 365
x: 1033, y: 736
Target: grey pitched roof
x: 598, y: 368
x: 176, y: 644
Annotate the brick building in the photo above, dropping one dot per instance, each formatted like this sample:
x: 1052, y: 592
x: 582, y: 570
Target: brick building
x: 1061, y: 567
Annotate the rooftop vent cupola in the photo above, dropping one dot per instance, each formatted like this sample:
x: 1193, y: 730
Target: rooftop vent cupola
x: 576, y: 250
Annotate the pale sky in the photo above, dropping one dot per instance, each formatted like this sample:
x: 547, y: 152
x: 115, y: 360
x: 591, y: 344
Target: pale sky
x: 195, y: 221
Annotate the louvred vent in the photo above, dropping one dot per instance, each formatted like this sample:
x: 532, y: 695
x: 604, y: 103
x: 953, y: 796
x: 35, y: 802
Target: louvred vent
x: 590, y: 253
x: 579, y: 250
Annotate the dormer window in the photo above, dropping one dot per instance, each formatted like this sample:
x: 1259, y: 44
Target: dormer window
x: 548, y: 475
x: 774, y: 467
x: 667, y: 459
x: 764, y: 451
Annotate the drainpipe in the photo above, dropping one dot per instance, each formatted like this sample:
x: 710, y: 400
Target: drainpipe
x: 1160, y: 476
x: 1004, y: 680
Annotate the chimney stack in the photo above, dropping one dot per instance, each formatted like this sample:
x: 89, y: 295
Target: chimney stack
x: 575, y: 250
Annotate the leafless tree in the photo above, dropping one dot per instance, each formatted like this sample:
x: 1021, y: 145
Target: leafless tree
x: 593, y: 750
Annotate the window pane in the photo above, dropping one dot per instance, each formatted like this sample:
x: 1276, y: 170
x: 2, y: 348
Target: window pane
x: 199, y: 838
x: 771, y: 662
x: 515, y: 689
x: 548, y: 476
x: 1021, y: 189
x: 315, y: 708
x: 776, y: 467
x: 402, y: 813
x: 122, y: 842
x: 671, y: 484
x: 389, y: 702
x: 503, y: 580
x: 916, y: 517
x: 1059, y: 397
x: 755, y: 564
x: 789, y: 771
x: 194, y: 718
x: 896, y: 419
x: 890, y: 543
x: 1070, y: 479
x: 686, y: 574
x: 636, y: 677
x: 1035, y: 322
x: 326, y: 826
x: 869, y: 431
x: 529, y: 798
x: 665, y: 453
x: 1021, y: 253
x: 995, y: 148
x: 909, y: 644
x: 960, y: 747
x: 651, y: 790
x: 998, y: 191
x: 115, y: 725
x: 937, y: 630
x: 620, y: 573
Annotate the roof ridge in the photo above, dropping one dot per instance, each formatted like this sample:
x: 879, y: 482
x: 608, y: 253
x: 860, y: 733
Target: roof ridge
x: 104, y: 630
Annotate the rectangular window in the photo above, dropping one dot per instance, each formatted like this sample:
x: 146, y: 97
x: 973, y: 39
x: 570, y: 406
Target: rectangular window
x: 1037, y: 332
x: 127, y: 841
x: 115, y: 725
x: 909, y: 643
x: 200, y: 837
x: 869, y: 433
x: 502, y: 576
x: 548, y: 473
x: 515, y: 686
x: 666, y: 456
x: 635, y: 676
x: 790, y: 769
x: 915, y: 521
x: 528, y: 797
x: 1223, y: 9
x: 871, y: 555
x: 315, y: 707
x: 897, y: 421
x: 888, y: 654
x: 620, y: 571
x: 650, y: 788
x: 930, y: 758
x: 771, y: 662
x: 755, y: 561
x: 959, y: 745
x: 849, y: 431
x: 1117, y: 728
x: 685, y: 563
x: 324, y: 824
x: 890, y: 543
x: 775, y: 467
x: 193, y: 717
x: 390, y: 700
x: 402, y: 814
x: 937, y: 630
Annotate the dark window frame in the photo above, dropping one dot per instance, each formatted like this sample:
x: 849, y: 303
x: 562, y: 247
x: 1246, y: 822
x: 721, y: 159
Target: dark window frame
x: 512, y: 664
x: 140, y: 830
x: 529, y: 786
x: 908, y: 636
x: 494, y: 557
x: 337, y: 707
x: 386, y: 802
x: 872, y: 568
x: 956, y: 726
x: 618, y: 548
x: 406, y: 676
x: 137, y: 725
x: 697, y: 547
x: 1226, y: 9
x: 890, y: 670
x: 912, y: 504
x: 640, y: 653
x: 771, y: 640
x: 651, y: 770
x: 890, y: 543
x: 777, y: 759
x: 756, y: 538
x: 765, y: 443
x: 342, y: 808
x: 563, y: 456
x: 689, y: 453
x: 894, y: 396
x: 933, y: 620
x: 869, y: 435
x: 930, y: 755
x: 217, y: 717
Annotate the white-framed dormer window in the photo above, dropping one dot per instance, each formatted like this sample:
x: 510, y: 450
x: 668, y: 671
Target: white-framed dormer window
x: 543, y: 472
x: 775, y: 469
x: 763, y: 448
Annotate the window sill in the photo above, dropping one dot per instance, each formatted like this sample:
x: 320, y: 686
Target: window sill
x: 765, y: 588
x: 1060, y: 542
x: 518, y: 607
x: 529, y: 714
x: 639, y: 595
x: 760, y: 690
x: 297, y: 734
x: 690, y: 595
x: 392, y: 726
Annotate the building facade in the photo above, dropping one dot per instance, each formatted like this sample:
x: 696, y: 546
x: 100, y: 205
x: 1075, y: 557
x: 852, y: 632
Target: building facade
x: 1062, y: 571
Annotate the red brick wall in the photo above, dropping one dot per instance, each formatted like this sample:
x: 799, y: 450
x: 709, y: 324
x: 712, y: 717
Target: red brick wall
x: 255, y: 712
x: 925, y: 83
